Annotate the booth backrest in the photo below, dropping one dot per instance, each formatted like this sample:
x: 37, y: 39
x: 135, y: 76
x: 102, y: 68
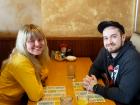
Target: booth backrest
x: 135, y: 38
x: 81, y: 46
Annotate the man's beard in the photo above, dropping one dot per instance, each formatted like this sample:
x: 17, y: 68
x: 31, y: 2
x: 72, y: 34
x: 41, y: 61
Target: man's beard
x: 115, y: 50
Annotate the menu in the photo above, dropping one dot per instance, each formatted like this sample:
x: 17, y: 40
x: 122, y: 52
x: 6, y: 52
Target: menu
x: 85, y: 96
x: 52, y: 95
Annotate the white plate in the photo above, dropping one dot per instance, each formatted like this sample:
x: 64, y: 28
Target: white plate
x: 71, y: 58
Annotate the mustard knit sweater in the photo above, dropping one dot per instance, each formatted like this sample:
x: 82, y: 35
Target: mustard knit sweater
x: 18, y: 77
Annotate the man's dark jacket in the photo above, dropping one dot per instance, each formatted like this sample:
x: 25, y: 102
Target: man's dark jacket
x: 125, y: 90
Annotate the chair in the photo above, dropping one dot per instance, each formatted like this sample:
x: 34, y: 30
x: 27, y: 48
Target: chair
x: 135, y: 38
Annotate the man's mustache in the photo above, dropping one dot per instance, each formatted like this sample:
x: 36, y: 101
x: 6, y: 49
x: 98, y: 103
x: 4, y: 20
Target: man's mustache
x: 111, y: 44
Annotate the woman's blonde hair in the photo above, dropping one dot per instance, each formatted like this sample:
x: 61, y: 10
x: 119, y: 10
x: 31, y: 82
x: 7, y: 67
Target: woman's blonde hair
x: 26, y: 32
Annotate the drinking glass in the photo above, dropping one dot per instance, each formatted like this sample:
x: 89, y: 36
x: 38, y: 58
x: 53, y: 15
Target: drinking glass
x: 67, y: 100
x: 82, y: 100
x: 71, y: 70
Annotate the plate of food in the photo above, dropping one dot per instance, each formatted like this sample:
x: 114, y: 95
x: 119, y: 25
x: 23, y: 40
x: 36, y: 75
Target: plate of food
x: 71, y: 58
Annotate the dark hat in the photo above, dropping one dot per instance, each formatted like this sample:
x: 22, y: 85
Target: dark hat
x: 105, y: 24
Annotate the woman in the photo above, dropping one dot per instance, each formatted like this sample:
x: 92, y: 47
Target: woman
x: 25, y: 70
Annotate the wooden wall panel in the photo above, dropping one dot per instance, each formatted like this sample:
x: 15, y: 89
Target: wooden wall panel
x: 6, y: 46
x: 81, y: 46
x: 85, y: 46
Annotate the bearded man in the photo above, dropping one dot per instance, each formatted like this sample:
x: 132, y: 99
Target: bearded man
x: 118, y: 64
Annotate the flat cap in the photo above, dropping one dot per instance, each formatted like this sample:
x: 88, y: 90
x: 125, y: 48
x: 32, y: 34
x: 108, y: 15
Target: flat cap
x: 105, y: 24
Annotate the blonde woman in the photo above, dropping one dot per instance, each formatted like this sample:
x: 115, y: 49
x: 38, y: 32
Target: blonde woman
x: 26, y: 68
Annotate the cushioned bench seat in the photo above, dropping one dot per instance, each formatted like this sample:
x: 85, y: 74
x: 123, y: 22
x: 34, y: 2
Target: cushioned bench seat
x: 135, y: 38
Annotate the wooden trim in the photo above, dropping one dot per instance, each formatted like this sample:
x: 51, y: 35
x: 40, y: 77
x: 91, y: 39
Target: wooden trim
x: 72, y: 38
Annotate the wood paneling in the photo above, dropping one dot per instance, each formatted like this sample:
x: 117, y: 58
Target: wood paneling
x: 81, y: 46
x: 6, y: 46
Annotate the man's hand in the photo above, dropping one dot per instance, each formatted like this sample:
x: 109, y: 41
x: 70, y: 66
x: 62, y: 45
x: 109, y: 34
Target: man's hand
x: 89, y: 82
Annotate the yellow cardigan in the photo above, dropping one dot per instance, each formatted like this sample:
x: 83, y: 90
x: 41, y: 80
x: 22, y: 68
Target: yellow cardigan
x: 18, y: 77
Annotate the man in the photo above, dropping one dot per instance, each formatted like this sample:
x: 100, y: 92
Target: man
x: 118, y: 64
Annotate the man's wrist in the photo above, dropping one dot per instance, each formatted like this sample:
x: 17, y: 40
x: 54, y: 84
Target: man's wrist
x: 95, y: 87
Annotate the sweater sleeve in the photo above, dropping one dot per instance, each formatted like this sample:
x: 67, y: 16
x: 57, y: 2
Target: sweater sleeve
x: 98, y: 65
x: 24, y: 73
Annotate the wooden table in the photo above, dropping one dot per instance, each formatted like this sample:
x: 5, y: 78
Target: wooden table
x: 58, y: 76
